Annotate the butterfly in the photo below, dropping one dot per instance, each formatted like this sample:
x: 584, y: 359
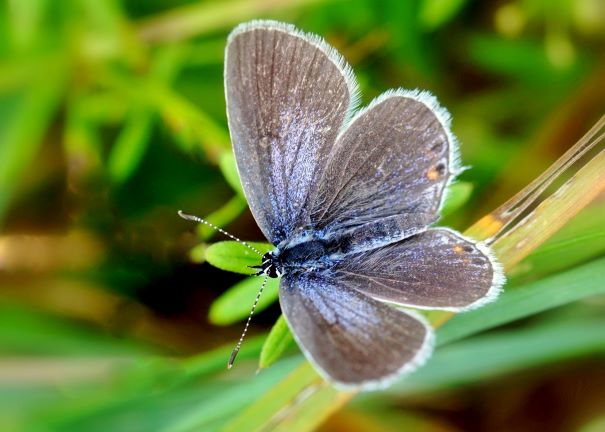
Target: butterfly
x: 348, y: 197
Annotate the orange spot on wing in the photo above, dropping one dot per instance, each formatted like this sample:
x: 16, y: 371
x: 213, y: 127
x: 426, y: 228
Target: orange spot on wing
x: 432, y: 174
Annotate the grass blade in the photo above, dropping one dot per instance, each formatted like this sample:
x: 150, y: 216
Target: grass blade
x: 277, y: 343
x: 26, y: 115
x: 553, y: 212
x: 199, y: 18
x: 487, y: 356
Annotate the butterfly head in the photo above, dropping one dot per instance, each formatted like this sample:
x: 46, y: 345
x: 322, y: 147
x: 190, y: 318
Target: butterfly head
x: 270, y: 266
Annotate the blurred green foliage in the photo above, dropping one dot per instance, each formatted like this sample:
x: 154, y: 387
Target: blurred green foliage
x: 112, y: 118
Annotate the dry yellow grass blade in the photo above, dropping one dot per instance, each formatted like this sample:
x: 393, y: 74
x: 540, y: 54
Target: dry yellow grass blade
x: 494, y: 224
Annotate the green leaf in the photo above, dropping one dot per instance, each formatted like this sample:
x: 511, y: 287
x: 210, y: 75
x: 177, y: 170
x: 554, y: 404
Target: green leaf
x: 579, y: 283
x: 235, y: 303
x: 523, y: 60
x: 130, y: 146
x: 435, y: 13
x: 223, y: 216
x: 229, y: 169
x: 278, y: 341
x: 25, y: 115
x: 457, y: 195
x: 235, y: 257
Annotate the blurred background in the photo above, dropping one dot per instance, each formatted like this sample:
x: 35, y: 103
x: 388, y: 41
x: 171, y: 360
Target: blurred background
x: 112, y: 118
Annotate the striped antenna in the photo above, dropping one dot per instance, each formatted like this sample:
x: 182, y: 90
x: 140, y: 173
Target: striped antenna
x: 222, y: 231
x: 260, y: 291
x: 241, y: 339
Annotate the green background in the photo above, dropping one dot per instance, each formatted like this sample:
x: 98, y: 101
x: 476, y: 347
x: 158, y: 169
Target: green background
x: 112, y: 118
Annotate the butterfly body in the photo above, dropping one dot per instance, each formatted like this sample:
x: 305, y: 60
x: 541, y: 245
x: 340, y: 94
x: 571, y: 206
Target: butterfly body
x: 306, y: 254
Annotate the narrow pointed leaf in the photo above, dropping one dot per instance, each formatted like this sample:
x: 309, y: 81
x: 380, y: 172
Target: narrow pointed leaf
x: 229, y: 169
x: 235, y: 257
x: 223, y: 216
x: 235, y: 303
x: 130, y: 146
x: 278, y: 341
x: 457, y: 195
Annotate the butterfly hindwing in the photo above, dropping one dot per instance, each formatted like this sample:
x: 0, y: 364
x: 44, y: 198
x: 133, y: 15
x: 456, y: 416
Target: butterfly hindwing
x: 354, y: 340
x: 436, y: 269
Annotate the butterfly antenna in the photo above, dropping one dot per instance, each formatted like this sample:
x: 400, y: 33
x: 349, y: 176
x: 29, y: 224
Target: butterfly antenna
x: 222, y: 231
x: 241, y: 339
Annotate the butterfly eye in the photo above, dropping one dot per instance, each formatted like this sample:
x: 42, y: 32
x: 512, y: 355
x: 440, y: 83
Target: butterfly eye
x: 267, y: 257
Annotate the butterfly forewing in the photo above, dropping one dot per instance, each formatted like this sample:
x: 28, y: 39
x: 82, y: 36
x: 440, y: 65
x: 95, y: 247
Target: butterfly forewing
x: 287, y: 97
x: 387, y: 173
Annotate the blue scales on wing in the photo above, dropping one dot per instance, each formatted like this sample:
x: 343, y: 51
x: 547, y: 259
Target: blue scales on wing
x: 352, y: 339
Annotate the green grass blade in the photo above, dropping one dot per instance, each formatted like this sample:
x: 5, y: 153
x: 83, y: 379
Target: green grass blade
x: 130, y: 146
x: 495, y: 354
x: 435, y: 13
x: 457, y: 195
x: 25, y: 115
x: 229, y: 170
x: 278, y: 341
x: 553, y: 213
x: 215, y: 361
x: 304, y: 390
x: 25, y: 331
x: 582, y: 239
x: 191, y: 407
x: 199, y: 18
x: 227, y: 400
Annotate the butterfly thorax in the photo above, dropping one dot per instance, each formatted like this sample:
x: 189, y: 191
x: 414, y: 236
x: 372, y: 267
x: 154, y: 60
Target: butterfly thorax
x: 309, y: 254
